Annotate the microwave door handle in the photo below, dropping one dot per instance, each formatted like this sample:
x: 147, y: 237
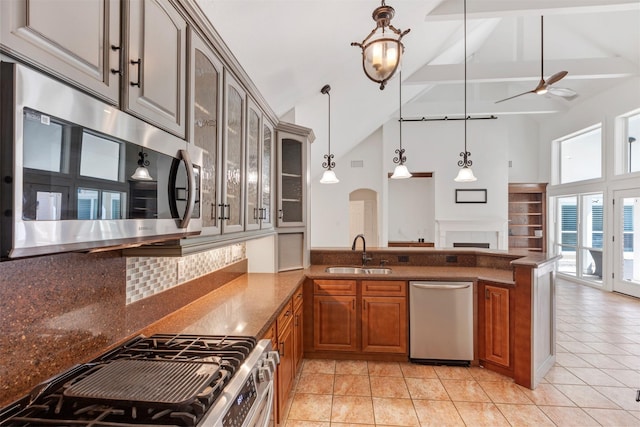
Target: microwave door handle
x: 191, y: 191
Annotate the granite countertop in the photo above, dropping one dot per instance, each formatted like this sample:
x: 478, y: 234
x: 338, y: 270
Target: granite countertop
x: 421, y: 273
x: 246, y: 305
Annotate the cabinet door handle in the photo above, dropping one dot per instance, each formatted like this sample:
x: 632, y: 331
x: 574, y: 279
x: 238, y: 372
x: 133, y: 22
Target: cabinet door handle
x: 281, y: 349
x: 280, y: 214
x: 139, y: 64
x: 116, y: 70
x: 364, y: 304
x: 296, y: 321
x: 221, y: 206
x: 213, y: 211
x: 486, y: 293
x: 226, y: 211
x: 353, y: 304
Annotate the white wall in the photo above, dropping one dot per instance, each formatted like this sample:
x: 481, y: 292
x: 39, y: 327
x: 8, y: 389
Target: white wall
x: 411, y: 209
x: 330, y: 202
x: 431, y: 147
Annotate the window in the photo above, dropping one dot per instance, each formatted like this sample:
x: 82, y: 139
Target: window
x: 580, y: 156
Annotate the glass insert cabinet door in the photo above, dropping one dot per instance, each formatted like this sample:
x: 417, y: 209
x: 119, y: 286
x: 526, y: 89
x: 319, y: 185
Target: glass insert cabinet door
x: 291, y: 185
x: 206, y: 91
x: 254, y: 212
x: 231, y: 211
x: 267, y: 157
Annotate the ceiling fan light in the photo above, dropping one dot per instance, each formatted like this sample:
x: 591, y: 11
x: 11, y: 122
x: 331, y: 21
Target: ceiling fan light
x: 329, y: 177
x: 542, y: 91
x: 401, y: 172
x: 465, y: 174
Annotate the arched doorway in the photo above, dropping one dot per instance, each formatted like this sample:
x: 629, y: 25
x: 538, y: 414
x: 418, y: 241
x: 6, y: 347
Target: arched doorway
x: 363, y: 215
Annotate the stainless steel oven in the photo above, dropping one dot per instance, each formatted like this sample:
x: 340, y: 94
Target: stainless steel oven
x: 164, y: 379
x: 79, y: 174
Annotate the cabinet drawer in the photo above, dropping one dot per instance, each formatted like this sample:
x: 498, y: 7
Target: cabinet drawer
x: 271, y: 335
x: 384, y: 288
x: 285, y: 316
x: 334, y: 287
x: 297, y: 299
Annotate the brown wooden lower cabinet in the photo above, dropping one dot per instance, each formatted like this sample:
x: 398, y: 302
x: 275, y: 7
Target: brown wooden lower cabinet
x: 384, y: 324
x: 286, y: 337
x: 494, y: 322
x: 360, y: 316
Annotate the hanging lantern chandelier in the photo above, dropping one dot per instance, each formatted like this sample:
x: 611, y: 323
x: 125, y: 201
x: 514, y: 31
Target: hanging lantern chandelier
x: 382, y: 49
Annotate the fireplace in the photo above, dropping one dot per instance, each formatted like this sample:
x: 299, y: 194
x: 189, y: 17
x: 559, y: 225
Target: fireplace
x: 473, y: 233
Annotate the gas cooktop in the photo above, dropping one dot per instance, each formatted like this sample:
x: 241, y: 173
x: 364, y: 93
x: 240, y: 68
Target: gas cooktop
x: 157, y: 380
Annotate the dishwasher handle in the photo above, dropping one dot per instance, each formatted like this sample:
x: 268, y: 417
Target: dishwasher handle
x: 425, y: 286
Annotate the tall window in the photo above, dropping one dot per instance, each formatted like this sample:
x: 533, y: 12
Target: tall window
x: 580, y: 235
x: 632, y: 143
x: 580, y: 156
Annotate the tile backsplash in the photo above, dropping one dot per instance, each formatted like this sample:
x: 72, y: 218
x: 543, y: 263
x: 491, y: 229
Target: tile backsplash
x: 148, y: 276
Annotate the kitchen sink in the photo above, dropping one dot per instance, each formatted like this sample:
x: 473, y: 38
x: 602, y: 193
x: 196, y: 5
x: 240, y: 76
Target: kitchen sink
x: 358, y: 270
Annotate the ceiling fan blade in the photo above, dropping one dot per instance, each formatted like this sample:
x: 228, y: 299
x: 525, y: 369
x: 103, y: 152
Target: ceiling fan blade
x: 563, y: 92
x: 556, y: 77
x: 515, y: 96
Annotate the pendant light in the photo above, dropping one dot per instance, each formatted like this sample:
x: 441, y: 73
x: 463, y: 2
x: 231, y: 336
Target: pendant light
x: 329, y: 176
x: 401, y: 171
x: 142, y: 173
x: 382, y: 49
x: 465, y: 174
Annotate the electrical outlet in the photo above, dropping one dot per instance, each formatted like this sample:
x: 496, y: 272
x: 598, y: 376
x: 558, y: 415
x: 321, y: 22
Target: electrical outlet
x: 180, y: 271
x: 403, y: 258
x: 451, y: 258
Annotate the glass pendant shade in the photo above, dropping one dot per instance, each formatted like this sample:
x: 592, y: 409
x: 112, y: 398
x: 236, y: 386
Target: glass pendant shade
x: 329, y: 177
x: 465, y: 174
x: 141, y: 174
x: 381, y: 56
x: 401, y: 172
x: 382, y: 48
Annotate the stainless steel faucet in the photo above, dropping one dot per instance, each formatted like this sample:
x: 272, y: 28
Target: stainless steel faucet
x: 364, y: 248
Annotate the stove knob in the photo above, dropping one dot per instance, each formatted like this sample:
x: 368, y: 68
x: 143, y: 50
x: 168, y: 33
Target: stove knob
x: 264, y: 375
x: 275, y: 356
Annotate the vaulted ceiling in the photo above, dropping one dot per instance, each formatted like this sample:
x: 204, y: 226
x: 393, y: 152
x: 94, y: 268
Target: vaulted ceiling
x: 291, y: 48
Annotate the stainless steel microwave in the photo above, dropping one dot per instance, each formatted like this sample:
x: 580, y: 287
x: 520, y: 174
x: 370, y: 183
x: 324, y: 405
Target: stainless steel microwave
x: 78, y: 174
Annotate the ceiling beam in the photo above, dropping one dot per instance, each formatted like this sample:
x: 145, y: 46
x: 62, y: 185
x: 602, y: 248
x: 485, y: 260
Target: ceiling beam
x: 584, y: 68
x: 451, y: 10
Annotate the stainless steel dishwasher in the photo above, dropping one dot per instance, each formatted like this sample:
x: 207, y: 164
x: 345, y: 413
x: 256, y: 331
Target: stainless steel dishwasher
x: 441, y: 322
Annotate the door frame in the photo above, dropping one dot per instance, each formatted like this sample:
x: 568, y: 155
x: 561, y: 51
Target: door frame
x: 618, y: 284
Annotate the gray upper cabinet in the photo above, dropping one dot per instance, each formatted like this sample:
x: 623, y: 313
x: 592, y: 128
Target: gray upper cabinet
x: 259, y: 160
x: 155, y: 64
x: 205, y: 103
x: 77, y: 41
x: 254, y: 128
x: 268, y: 162
x: 232, y: 209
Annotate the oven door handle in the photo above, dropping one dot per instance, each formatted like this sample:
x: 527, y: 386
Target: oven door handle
x: 191, y: 190
x: 264, y: 411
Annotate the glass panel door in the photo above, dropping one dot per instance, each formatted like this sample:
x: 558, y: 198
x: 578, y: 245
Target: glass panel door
x: 626, y: 278
x: 267, y: 156
x: 567, y: 234
x: 580, y: 236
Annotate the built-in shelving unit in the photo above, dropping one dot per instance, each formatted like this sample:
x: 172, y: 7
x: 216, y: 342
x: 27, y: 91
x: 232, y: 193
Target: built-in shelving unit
x: 528, y: 216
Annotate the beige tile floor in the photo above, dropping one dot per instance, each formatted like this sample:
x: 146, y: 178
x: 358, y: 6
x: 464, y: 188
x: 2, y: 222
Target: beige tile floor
x: 594, y: 381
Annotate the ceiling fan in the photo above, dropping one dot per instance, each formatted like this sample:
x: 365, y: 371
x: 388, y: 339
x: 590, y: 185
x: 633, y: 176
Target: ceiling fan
x: 544, y: 86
